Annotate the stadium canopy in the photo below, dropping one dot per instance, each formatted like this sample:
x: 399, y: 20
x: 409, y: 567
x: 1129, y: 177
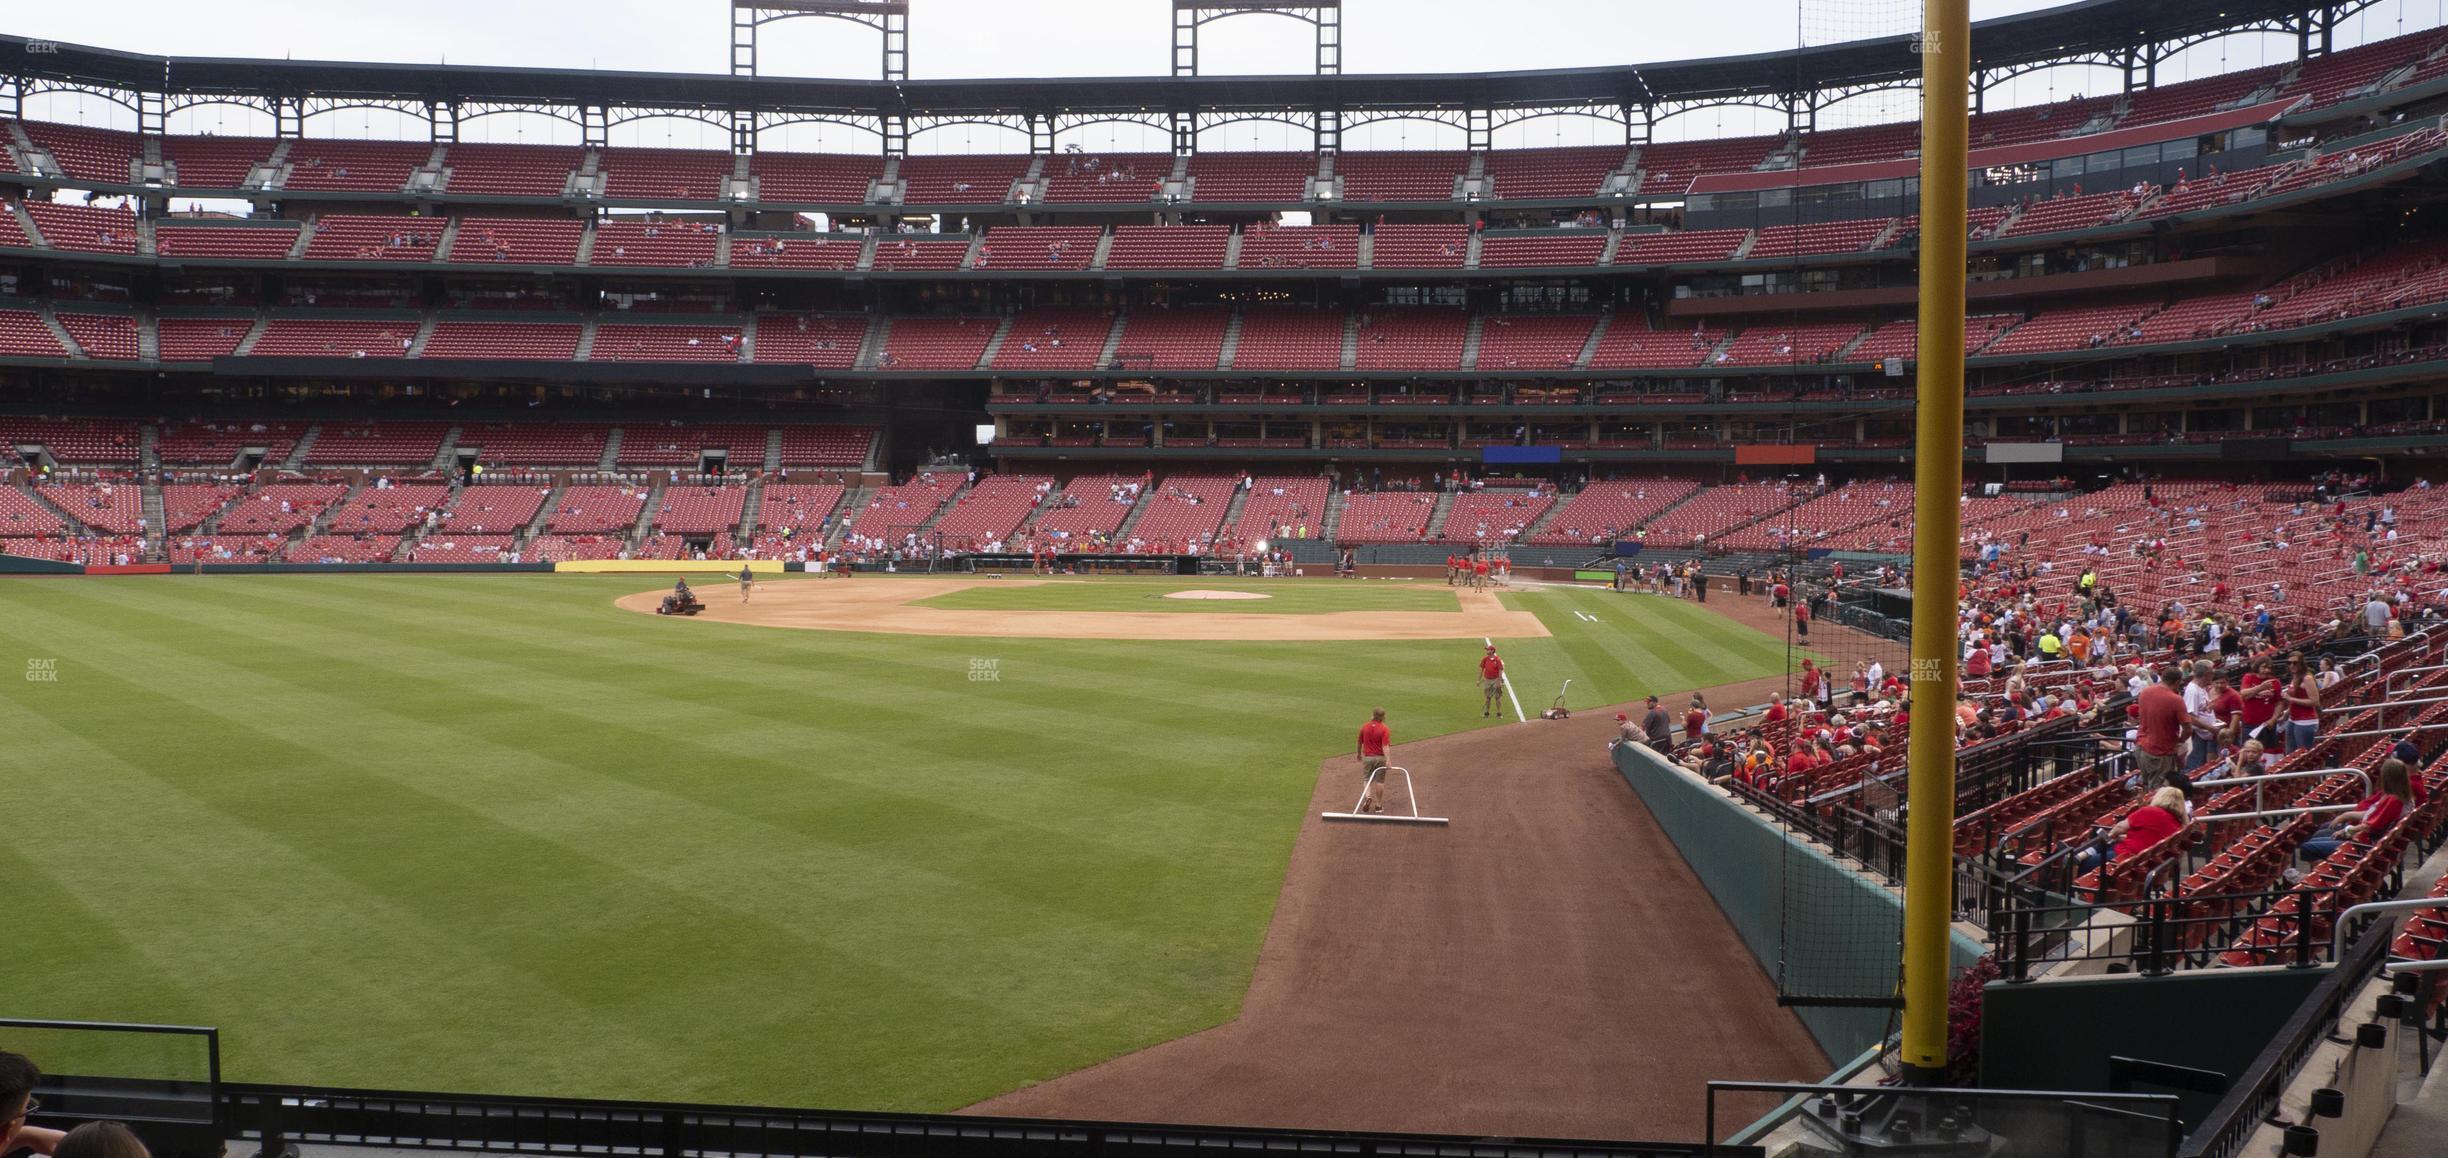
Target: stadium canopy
x: 2130, y: 33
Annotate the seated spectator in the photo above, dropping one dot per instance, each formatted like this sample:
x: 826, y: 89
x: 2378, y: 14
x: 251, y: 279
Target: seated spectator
x: 2156, y: 821
x: 2379, y: 812
x: 18, y: 1074
x: 101, y: 1140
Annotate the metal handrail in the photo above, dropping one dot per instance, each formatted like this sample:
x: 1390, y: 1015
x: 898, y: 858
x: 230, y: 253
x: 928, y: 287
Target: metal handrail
x: 2260, y: 800
x: 2389, y: 704
x: 2337, y: 941
x: 2315, y: 809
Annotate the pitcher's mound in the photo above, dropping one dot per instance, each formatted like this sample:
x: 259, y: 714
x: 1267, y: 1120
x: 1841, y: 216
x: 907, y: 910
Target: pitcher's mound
x: 1215, y: 595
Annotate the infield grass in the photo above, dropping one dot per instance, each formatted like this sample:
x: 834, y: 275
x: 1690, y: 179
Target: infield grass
x: 491, y: 833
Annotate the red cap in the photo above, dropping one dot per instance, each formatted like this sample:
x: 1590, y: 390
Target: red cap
x: 1621, y: 716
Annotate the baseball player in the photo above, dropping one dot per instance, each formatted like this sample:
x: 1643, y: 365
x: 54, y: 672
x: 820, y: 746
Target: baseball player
x: 1491, y: 684
x: 1376, y: 743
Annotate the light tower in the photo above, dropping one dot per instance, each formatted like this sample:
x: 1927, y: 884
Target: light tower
x: 1325, y: 19
x: 890, y: 19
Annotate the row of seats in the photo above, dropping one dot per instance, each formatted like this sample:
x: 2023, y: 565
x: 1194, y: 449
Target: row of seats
x: 111, y: 157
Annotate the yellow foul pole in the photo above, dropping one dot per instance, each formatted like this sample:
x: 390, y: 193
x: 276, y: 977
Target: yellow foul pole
x: 1946, y: 56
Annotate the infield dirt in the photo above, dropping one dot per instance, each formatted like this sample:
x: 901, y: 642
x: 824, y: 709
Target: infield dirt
x: 891, y: 606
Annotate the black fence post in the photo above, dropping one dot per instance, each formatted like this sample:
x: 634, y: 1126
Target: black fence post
x: 2303, y: 928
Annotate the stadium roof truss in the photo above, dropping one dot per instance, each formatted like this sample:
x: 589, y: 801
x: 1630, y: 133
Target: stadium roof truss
x: 2129, y: 36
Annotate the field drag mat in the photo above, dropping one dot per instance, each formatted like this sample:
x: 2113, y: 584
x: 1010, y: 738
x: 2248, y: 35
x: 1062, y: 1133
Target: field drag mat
x: 1546, y: 966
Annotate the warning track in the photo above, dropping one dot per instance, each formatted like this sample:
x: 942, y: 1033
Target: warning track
x: 1546, y: 967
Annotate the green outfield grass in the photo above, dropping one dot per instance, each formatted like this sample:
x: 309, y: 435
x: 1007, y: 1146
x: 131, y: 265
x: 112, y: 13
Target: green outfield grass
x: 1283, y: 597
x: 490, y: 833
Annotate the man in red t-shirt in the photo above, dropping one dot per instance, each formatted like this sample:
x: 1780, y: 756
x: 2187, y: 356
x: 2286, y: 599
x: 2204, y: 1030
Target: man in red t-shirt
x: 1479, y: 572
x: 1491, y: 684
x: 2160, y: 717
x: 1376, y: 743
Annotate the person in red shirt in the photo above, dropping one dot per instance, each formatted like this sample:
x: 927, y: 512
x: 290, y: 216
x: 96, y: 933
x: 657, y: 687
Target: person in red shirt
x: 1695, y: 720
x: 1801, y: 619
x: 2379, y: 812
x: 1976, y: 665
x: 1491, y: 684
x: 1776, y: 708
x: 2161, y: 713
x: 2260, y: 694
x: 1479, y: 572
x: 1376, y: 744
x: 2163, y: 817
x: 2227, y: 704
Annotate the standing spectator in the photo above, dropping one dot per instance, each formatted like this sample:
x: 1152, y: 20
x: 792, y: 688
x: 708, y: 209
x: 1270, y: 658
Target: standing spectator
x: 2159, y: 721
x: 1658, y: 727
x: 2303, y: 701
x: 1695, y: 719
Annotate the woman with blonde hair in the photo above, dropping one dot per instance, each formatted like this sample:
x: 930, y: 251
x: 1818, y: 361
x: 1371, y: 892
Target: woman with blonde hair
x: 2165, y: 816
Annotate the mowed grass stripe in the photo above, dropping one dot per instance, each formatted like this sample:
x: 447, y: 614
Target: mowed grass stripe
x: 1083, y: 854
x: 597, y: 938
x: 233, y: 912
x: 292, y: 705
x: 1137, y: 768
x: 1644, y: 644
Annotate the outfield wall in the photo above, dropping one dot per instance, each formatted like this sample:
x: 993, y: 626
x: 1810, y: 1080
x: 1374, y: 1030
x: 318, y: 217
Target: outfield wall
x: 1740, y: 856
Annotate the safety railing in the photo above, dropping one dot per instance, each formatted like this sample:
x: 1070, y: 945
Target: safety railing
x: 1915, y: 1120
x: 2152, y: 935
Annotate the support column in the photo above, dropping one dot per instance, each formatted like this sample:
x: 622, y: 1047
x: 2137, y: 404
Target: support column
x: 1929, y: 873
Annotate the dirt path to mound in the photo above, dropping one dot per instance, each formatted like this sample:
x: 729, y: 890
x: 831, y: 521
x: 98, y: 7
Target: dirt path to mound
x: 890, y: 606
x: 1547, y: 966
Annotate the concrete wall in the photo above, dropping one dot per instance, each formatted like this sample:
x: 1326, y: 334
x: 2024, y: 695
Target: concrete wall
x: 1814, y: 900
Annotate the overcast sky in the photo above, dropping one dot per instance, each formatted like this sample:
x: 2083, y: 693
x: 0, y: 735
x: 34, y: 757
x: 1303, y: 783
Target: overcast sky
x: 988, y: 38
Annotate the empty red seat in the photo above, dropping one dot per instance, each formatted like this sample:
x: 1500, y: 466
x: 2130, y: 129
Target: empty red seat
x: 83, y: 227
x: 664, y: 174
x: 831, y: 341
x: 344, y: 237
x: 523, y: 240
x: 817, y: 178
x: 355, y: 166
x: 246, y: 242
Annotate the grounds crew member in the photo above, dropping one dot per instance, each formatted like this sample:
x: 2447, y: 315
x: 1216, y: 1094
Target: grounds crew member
x: 1375, y: 742
x: 747, y: 580
x: 1491, y: 683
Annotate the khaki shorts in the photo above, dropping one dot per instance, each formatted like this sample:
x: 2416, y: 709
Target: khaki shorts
x: 1370, y: 764
x: 1492, y: 687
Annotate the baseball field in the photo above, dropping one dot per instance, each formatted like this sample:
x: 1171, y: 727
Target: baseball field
x: 887, y: 843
